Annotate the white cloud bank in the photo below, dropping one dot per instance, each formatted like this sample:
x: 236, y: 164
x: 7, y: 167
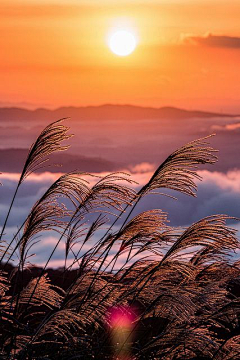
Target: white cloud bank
x: 218, y: 193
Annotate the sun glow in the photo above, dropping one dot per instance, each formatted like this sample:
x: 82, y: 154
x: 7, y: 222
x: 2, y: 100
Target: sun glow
x: 122, y: 42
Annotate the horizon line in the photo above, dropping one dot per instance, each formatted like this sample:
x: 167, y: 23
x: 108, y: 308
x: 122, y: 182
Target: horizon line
x: 19, y: 107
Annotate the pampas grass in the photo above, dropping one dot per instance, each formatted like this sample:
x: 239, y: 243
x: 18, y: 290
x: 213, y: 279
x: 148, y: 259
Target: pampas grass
x: 180, y: 288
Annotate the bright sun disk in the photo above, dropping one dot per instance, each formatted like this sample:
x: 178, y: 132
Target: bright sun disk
x: 122, y: 43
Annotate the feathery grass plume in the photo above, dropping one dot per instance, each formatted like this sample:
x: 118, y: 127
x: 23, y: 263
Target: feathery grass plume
x: 42, y: 218
x: 46, y: 294
x: 4, y: 285
x: 46, y: 298
x: 184, y: 344
x: 5, y: 310
x: 105, y: 195
x: 46, y: 213
x: 174, y: 302
x: 109, y: 192
x: 210, y: 231
x: 64, y: 325
x: 141, y: 233
x: 20, y: 342
x: 101, y: 286
x: 47, y: 142
x: 60, y: 330
x: 206, y: 255
x: 226, y: 315
x: 230, y: 349
x: 70, y: 186
x: 142, y: 228
x: 179, y: 170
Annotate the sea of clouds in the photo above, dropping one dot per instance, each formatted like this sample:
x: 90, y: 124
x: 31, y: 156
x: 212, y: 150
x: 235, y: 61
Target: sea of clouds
x: 218, y: 193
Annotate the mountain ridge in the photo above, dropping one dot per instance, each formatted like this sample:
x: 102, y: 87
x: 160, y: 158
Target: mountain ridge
x: 13, y: 159
x: 105, y: 112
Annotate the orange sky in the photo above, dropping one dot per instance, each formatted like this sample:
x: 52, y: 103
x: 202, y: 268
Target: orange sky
x: 55, y: 53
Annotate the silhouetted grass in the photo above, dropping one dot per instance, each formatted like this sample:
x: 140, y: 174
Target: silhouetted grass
x: 175, y: 296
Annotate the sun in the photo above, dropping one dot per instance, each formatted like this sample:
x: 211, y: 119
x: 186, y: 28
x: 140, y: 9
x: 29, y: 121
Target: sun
x: 122, y: 42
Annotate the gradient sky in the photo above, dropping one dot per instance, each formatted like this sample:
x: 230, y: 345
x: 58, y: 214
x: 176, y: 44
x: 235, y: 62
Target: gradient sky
x: 55, y: 53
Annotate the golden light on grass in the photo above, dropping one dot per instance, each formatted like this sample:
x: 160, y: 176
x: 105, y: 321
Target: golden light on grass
x: 122, y: 42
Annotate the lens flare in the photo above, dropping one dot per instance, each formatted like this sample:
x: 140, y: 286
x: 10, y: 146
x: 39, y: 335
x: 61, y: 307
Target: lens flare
x: 121, y: 322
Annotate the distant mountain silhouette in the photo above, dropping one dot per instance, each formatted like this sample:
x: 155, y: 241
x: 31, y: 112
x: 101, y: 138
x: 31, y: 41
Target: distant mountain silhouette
x: 12, y: 160
x: 103, y: 112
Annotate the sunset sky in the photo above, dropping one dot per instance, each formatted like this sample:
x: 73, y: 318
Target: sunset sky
x: 55, y: 53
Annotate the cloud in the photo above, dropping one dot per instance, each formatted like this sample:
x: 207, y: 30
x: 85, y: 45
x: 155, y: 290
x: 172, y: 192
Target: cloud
x: 220, y: 41
x: 218, y: 193
x: 229, y: 181
x: 227, y: 127
x: 142, y: 168
x: 214, y: 187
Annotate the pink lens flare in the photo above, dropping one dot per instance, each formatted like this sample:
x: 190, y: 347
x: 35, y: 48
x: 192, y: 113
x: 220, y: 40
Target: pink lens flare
x: 121, y: 320
x: 121, y: 317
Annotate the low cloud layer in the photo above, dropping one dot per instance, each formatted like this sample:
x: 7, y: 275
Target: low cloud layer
x: 218, y: 193
x: 228, y: 127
